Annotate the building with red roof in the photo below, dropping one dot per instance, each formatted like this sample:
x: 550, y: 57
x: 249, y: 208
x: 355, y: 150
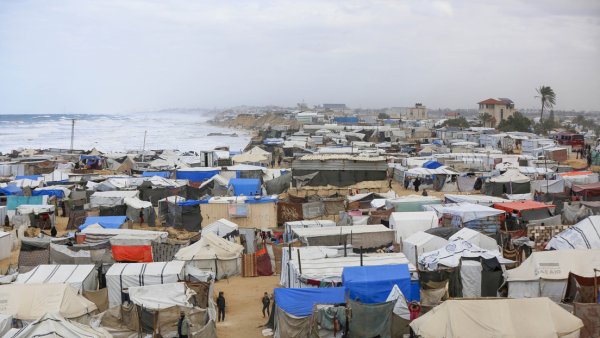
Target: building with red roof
x: 498, y: 108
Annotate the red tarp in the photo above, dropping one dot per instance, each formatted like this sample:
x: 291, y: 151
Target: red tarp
x: 520, y: 206
x: 263, y: 263
x: 592, y: 187
x: 135, y: 254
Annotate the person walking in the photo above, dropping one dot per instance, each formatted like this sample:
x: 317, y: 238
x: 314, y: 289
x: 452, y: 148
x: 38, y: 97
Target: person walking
x: 417, y: 183
x: 141, y: 216
x: 266, y: 301
x: 183, y: 326
x: 221, y: 307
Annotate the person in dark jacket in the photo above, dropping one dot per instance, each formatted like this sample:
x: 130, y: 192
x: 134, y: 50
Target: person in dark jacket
x: 266, y: 301
x: 417, y: 183
x: 221, y: 307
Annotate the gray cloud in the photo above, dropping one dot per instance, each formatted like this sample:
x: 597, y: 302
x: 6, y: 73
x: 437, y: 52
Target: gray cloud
x: 130, y: 55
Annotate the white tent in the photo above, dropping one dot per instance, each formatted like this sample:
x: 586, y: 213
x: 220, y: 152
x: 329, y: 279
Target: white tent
x: 545, y: 273
x: 5, y: 324
x: 111, y: 198
x: 368, y: 236
x: 213, y: 253
x: 5, y: 244
x: 55, y: 325
x: 222, y: 228
x: 26, y: 209
x: 289, y: 226
x: 475, y: 318
x: 476, y: 238
x: 419, y: 243
x: 465, y: 211
x: 475, y: 199
x: 161, y: 296
x: 512, y: 175
x: 583, y: 235
x: 32, y: 301
x: 407, y: 223
x: 401, y: 307
x: 451, y: 254
x: 80, y: 277
x: 121, y: 276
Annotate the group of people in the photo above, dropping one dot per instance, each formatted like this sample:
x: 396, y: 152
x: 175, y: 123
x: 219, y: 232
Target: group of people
x: 184, y: 324
x: 585, y: 152
x: 416, y: 183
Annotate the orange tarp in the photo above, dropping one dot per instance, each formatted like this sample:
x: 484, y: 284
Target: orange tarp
x: 521, y: 205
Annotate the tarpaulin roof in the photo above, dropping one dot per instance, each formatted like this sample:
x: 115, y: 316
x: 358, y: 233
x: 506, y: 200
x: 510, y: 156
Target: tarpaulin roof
x: 465, y: 210
x: 11, y: 190
x: 164, y: 174
x: 583, y: 235
x: 520, y: 206
x: 161, y: 296
x: 444, y: 170
x: 55, y: 325
x: 586, y: 187
x: 110, y: 222
x: 29, y: 177
x: 451, y: 254
x: 372, y: 284
x: 576, y: 173
x: 245, y: 186
x: 197, y: 174
x: 476, y: 199
x: 210, y: 246
x: 530, y: 317
x: 300, y: 302
x: 432, y: 164
x: 49, y: 192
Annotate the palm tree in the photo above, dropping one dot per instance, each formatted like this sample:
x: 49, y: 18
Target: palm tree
x: 485, y: 118
x: 548, y: 98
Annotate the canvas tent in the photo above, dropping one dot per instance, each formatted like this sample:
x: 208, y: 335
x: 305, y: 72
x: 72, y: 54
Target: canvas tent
x: 365, y: 236
x: 511, y: 182
x: 474, y: 318
x: 411, y: 203
x: 55, y: 325
x: 213, y: 253
x: 111, y: 198
x: 30, y: 302
x: 135, y: 206
x: 289, y: 226
x: 583, y: 235
x: 451, y: 255
x: 80, y: 277
x: 465, y: 211
x: 475, y: 199
x: 223, y: 228
x: 545, y: 273
x: 406, y: 224
x: 588, y: 192
x: 419, y: 243
x: 161, y: 296
x: 121, y: 276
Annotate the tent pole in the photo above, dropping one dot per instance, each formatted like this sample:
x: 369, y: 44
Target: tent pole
x: 299, y: 262
x: 361, y: 256
x: 345, y: 249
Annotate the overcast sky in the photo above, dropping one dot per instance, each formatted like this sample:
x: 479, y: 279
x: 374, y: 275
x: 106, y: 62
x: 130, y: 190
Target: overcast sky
x: 112, y: 56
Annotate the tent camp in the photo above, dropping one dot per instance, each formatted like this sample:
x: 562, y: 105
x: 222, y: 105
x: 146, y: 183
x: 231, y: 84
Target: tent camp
x: 80, y: 277
x: 511, y: 182
x: 452, y: 254
x: 411, y: 203
x: 30, y: 302
x: 583, y: 235
x: 545, y: 273
x: 178, y: 213
x: 255, y: 156
x: 111, y: 198
x: 406, y: 224
x: 366, y: 236
x: 127, y: 245
x: 535, y: 318
x: 55, y: 325
x: 213, y: 253
x: 121, y: 276
x: 526, y: 210
x: 579, y: 178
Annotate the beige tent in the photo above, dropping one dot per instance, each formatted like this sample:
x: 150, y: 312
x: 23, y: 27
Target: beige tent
x: 32, y: 301
x: 506, y: 318
x: 545, y: 273
x: 54, y: 325
x: 213, y: 253
x: 254, y: 155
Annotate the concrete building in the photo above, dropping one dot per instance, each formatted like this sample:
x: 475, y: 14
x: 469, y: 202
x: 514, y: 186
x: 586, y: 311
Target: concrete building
x: 499, y: 108
x: 418, y: 112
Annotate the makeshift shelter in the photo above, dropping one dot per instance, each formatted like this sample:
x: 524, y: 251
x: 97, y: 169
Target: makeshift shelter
x: 583, y: 235
x: 176, y: 212
x: 337, y: 170
x: 368, y: 237
x: 34, y: 251
x: 419, y: 243
x: 290, y: 226
x: 474, y: 216
x: 411, y: 203
x: 213, y: 253
x: 451, y: 255
x: 64, y: 254
x: 373, y: 284
x: 32, y: 301
x: 135, y: 207
x: 245, y: 187
x: 474, y: 199
x: 536, y: 318
x: 6, y: 245
x: 121, y: 276
x: 245, y: 212
x: 588, y: 192
x: 223, y: 228
x: 406, y: 224
x: 527, y: 211
x: 511, y: 182
x: 41, y: 216
x: 80, y: 277
x: 111, y: 198
x: 255, y: 156
x: 578, y: 178
x: 55, y: 325
x: 432, y: 164
x: 5, y: 324
x: 163, y: 174
x: 199, y: 174
x: 545, y: 273
x: 106, y: 222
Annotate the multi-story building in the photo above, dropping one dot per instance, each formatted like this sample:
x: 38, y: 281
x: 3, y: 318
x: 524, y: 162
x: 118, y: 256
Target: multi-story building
x: 498, y: 108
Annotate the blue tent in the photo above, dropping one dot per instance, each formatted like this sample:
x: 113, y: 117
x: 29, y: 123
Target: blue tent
x: 11, y: 189
x: 58, y: 193
x: 107, y: 222
x: 346, y: 119
x: 196, y: 176
x: 245, y: 186
x: 432, y: 164
x: 164, y: 174
x: 438, y: 142
x: 373, y: 284
x: 300, y: 302
x: 29, y: 177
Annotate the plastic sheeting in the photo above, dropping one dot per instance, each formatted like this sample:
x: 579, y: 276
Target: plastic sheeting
x: 300, y: 302
x: 107, y: 222
x: 161, y: 296
x: 451, y: 254
x: 583, y: 235
x: 405, y: 224
x: 373, y: 284
x: 245, y: 186
x: 371, y: 320
x: 466, y: 211
x: 54, y: 325
x: 80, y: 277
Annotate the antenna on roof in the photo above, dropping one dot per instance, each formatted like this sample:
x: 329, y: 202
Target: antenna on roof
x: 72, y: 133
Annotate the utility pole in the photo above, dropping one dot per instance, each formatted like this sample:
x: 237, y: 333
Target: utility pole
x: 144, y: 146
x: 72, y: 133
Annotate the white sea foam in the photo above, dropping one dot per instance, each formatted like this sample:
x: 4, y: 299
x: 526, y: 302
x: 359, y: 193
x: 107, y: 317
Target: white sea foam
x: 165, y: 130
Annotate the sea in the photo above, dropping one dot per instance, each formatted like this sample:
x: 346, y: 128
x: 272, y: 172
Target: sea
x: 184, y: 130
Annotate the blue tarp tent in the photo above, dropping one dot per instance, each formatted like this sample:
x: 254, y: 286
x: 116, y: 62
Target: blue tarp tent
x: 58, y: 193
x: 437, y: 142
x: 29, y: 177
x: 14, y: 201
x: 11, y: 190
x: 245, y: 186
x: 346, y: 119
x: 372, y: 284
x: 107, y: 222
x: 196, y: 176
x: 164, y: 174
x: 300, y: 302
x: 432, y: 164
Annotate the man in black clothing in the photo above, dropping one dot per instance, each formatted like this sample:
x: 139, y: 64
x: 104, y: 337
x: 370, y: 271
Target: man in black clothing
x: 417, y: 183
x: 221, y: 307
x: 266, y: 301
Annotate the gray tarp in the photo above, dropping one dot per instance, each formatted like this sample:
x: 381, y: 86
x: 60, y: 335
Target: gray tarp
x: 371, y: 320
x: 278, y: 185
x: 290, y: 326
